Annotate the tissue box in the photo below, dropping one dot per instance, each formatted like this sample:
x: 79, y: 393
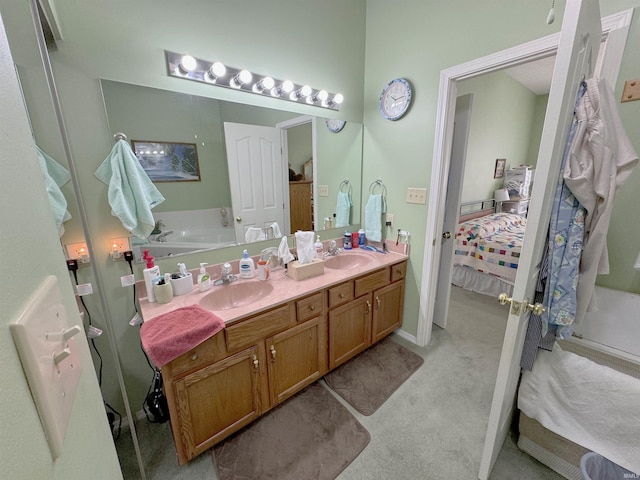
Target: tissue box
x: 299, y: 271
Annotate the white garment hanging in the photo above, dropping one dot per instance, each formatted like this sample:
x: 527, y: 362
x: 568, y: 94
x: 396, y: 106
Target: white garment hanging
x: 601, y: 160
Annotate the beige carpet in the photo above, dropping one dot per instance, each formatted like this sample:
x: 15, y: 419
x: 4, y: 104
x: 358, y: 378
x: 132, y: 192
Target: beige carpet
x: 368, y: 380
x: 311, y: 436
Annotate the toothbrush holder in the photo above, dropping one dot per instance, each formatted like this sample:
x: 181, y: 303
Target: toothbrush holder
x: 182, y: 285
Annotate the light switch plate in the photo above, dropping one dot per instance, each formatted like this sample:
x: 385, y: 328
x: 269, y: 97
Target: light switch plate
x: 323, y: 190
x: 48, y: 352
x: 631, y: 90
x: 417, y: 195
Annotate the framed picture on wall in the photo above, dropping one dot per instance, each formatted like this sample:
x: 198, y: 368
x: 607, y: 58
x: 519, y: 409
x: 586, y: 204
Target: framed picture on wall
x: 499, y: 170
x: 308, y: 170
x: 168, y: 161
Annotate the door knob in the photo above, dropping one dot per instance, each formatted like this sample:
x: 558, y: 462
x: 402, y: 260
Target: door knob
x: 238, y: 219
x: 536, y: 308
x: 446, y: 235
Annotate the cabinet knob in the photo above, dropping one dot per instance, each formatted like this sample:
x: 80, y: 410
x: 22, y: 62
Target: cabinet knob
x: 368, y: 309
x: 273, y: 352
x: 255, y: 362
x: 341, y: 295
x: 312, y: 307
x: 377, y: 303
x: 194, y: 356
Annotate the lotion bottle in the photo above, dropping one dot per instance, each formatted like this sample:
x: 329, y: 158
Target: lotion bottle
x: 151, y: 273
x: 318, y: 247
x: 247, y: 267
x: 204, y: 279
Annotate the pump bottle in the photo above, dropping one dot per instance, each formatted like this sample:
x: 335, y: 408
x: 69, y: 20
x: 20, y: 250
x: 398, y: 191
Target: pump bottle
x: 204, y: 279
x: 151, y: 273
x: 247, y: 267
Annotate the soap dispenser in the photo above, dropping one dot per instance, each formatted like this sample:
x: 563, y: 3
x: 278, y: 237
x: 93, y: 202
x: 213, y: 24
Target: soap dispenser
x: 247, y: 267
x: 204, y: 279
x: 150, y: 274
x: 318, y: 247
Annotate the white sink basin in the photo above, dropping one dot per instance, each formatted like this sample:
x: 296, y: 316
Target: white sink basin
x: 235, y: 295
x: 347, y: 261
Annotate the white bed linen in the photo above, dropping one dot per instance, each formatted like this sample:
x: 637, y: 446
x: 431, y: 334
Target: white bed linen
x: 470, y: 279
x: 589, y: 404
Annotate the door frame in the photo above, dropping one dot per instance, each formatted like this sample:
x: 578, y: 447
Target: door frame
x: 614, y: 28
x: 284, y: 126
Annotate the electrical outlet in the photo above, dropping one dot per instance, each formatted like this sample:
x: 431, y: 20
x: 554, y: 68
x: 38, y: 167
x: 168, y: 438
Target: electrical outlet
x: 417, y: 195
x: 117, y: 246
x: 389, y: 220
x: 323, y: 190
x: 78, y: 251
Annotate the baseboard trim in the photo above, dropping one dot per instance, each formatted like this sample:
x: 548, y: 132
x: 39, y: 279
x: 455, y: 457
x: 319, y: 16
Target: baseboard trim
x: 406, y: 336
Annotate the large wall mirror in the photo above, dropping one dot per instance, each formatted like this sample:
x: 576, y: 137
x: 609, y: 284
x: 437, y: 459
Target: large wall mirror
x: 221, y: 202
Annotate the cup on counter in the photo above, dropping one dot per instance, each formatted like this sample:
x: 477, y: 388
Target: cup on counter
x: 163, y: 292
x: 263, y: 270
x: 182, y: 285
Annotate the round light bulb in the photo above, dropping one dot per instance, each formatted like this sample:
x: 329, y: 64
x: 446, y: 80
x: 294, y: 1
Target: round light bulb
x: 267, y: 83
x: 305, y: 91
x: 322, y: 95
x: 218, y: 69
x: 245, y: 76
x: 188, y: 63
x: 287, y: 86
x: 338, y: 98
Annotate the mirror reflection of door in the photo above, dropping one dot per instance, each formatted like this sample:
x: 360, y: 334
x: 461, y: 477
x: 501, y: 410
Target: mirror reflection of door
x: 255, y: 175
x: 300, y: 160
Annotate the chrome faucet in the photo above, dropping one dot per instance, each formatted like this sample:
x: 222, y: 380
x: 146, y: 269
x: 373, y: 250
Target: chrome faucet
x: 163, y: 236
x: 227, y: 276
x: 333, y: 249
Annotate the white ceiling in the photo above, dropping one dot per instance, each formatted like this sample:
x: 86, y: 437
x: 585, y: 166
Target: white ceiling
x: 536, y: 76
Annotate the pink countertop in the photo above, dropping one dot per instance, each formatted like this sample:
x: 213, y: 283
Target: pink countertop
x: 284, y: 290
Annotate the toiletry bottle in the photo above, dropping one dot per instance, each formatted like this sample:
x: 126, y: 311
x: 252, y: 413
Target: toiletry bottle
x: 318, y: 247
x: 361, y: 237
x: 355, y: 239
x: 150, y: 274
x: 347, y: 240
x: 204, y: 279
x: 247, y: 268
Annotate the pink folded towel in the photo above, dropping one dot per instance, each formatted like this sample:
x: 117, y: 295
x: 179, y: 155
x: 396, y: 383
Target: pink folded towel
x: 168, y: 336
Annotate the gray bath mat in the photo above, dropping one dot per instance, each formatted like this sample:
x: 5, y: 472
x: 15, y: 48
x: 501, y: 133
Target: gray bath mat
x: 368, y: 380
x: 311, y: 436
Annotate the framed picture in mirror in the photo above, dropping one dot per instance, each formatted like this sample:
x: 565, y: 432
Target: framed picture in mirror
x: 168, y: 161
x: 498, y: 172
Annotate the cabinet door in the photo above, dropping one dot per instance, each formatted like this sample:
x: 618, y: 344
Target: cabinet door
x: 387, y: 310
x: 349, y: 330
x: 293, y: 359
x: 215, y: 401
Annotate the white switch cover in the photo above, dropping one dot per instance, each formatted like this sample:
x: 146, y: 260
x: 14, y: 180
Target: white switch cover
x: 50, y: 360
x: 323, y: 190
x: 417, y: 195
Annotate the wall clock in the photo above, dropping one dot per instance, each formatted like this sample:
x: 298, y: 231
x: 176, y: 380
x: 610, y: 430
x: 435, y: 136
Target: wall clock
x: 334, y: 125
x: 395, y: 99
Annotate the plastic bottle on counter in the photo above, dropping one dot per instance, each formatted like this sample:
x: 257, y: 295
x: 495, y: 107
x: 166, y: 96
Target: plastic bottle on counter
x: 319, y: 248
x: 151, y: 273
x: 204, y: 279
x: 347, y: 241
x: 361, y: 237
x: 247, y: 267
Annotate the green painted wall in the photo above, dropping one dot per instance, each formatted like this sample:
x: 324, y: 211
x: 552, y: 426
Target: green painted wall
x: 502, y: 118
x: 300, y: 147
x: 328, y: 44
x: 433, y: 38
x: 30, y: 251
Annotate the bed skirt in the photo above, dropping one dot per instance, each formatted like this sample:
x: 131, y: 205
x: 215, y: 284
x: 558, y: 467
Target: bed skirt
x: 470, y: 279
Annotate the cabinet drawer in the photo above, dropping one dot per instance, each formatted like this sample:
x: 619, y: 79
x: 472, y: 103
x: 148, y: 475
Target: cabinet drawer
x: 309, y: 307
x: 340, y: 294
x: 398, y: 271
x: 372, y: 281
x: 209, y: 351
x: 248, y: 332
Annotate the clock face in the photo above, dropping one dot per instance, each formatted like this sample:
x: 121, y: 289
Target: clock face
x: 335, y: 125
x: 395, y: 99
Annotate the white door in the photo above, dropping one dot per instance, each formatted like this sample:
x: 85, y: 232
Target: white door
x: 255, y: 176
x: 579, y: 42
x: 454, y: 193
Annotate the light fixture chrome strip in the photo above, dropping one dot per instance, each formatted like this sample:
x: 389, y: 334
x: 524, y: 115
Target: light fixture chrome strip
x: 188, y: 67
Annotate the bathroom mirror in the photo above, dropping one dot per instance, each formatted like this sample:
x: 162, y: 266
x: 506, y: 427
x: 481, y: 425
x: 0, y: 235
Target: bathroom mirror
x: 199, y: 215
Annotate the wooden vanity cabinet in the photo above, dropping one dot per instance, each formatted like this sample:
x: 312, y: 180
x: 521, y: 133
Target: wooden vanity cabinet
x: 257, y: 362
x: 374, y: 312
x: 234, y: 377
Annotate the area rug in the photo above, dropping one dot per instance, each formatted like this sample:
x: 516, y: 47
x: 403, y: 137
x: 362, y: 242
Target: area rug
x: 368, y: 380
x: 310, y: 436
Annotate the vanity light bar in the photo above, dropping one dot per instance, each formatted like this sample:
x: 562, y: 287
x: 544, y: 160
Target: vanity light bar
x: 215, y: 73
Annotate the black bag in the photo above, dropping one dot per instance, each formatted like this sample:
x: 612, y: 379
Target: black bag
x: 155, y: 404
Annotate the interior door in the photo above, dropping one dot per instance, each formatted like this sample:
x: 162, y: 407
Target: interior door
x: 579, y: 42
x: 454, y: 193
x: 255, y: 176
